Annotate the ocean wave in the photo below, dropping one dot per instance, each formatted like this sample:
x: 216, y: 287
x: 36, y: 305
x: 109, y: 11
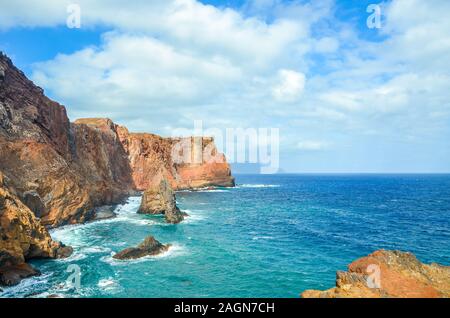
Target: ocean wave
x: 26, y: 286
x: 109, y: 285
x: 258, y: 186
x: 256, y: 238
x: 192, y: 217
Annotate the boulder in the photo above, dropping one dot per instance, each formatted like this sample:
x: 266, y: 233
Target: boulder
x: 13, y: 274
x: 104, y: 212
x: 150, y: 246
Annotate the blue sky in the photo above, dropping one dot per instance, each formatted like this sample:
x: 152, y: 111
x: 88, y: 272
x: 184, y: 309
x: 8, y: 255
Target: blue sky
x: 346, y: 98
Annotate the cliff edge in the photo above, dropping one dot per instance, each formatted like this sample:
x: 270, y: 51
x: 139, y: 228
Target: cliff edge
x: 388, y: 274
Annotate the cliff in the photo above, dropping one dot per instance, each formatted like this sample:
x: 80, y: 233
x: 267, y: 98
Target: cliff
x: 60, y: 171
x: 22, y: 237
x: 388, y: 274
x: 187, y: 163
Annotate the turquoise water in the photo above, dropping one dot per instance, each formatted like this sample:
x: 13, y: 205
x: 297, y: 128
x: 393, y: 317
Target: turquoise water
x: 271, y: 236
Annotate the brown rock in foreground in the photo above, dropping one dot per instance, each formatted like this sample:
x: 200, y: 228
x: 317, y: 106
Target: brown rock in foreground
x: 160, y: 199
x: 391, y: 274
x: 150, y: 246
x: 22, y: 237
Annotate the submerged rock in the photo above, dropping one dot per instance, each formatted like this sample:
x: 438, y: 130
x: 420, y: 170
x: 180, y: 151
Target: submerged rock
x: 150, y: 246
x: 160, y: 199
x: 391, y: 274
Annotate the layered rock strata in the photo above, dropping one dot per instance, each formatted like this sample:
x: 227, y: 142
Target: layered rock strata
x: 388, y: 274
x: 60, y: 172
x: 160, y: 199
x: 22, y: 237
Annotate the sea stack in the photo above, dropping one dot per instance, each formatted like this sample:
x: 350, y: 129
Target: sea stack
x: 160, y: 199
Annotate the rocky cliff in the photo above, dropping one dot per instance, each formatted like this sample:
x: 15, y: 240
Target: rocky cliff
x: 22, y: 237
x: 391, y: 274
x: 187, y: 163
x: 60, y: 171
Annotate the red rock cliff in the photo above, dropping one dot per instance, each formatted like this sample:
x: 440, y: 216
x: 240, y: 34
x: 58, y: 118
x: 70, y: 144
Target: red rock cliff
x: 186, y: 162
x: 59, y: 172
x: 388, y: 274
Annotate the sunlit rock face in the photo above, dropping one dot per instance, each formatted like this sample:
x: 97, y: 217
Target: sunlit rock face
x: 59, y: 172
x: 187, y: 163
x: 391, y: 274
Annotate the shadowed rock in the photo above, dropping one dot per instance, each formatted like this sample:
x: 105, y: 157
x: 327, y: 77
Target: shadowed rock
x: 34, y: 202
x: 388, y: 274
x: 150, y: 246
x: 13, y: 274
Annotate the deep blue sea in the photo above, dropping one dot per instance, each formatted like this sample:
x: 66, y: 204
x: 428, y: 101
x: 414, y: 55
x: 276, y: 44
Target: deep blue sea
x: 271, y: 236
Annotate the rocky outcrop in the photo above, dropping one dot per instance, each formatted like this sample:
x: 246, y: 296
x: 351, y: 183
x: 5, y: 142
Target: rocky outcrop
x: 22, y: 237
x: 149, y: 247
x: 60, y: 172
x: 187, y: 163
x: 69, y: 168
x: 391, y: 274
x: 160, y: 199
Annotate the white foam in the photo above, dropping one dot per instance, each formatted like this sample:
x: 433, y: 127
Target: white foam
x: 109, y: 285
x: 26, y: 286
x: 258, y: 186
x: 256, y: 238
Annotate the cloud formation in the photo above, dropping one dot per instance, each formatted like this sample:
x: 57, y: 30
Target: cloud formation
x: 292, y: 65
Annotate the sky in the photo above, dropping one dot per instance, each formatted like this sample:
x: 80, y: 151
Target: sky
x: 346, y: 98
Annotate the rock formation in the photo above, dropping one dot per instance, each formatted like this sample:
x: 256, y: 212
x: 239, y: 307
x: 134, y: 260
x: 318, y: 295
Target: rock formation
x: 150, y: 246
x: 22, y: 237
x: 160, y: 199
x: 388, y: 274
x: 60, y: 172
x: 187, y: 163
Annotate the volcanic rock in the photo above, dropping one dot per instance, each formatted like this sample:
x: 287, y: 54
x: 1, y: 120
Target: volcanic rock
x: 160, y: 199
x: 150, y: 246
x: 388, y: 274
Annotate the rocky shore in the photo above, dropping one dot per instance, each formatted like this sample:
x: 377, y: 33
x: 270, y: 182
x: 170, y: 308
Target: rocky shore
x: 388, y: 274
x: 59, y: 173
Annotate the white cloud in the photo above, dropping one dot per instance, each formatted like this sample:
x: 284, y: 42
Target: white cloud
x: 176, y: 61
x: 312, y: 145
x: 290, y: 86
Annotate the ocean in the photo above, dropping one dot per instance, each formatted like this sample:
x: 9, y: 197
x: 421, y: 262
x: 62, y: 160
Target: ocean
x: 271, y: 236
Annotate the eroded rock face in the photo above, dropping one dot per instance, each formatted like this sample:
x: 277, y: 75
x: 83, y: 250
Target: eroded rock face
x: 187, y: 163
x: 22, y: 237
x: 63, y: 171
x: 160, y: 199
x: 150, y: 246
x: 392, y: 274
